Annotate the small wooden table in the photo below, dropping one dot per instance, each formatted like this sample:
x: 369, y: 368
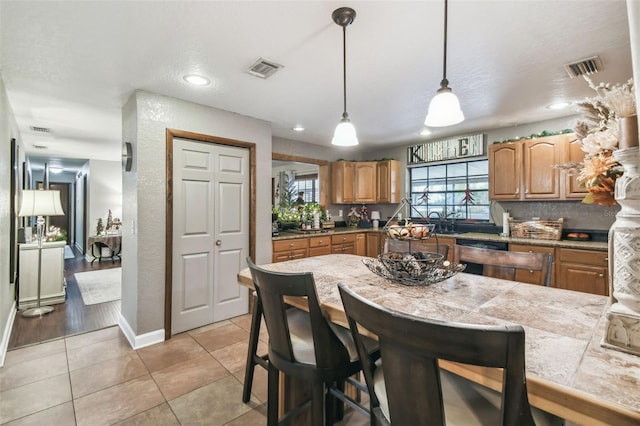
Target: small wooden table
x: 113, y: 242
x: 569, y: 373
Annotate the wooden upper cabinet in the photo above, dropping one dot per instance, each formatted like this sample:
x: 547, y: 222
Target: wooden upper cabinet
x: 525, y: 170
x: 342, y: 182
x: 541, y: 180
x: 505, y: 171
x: 364, y: 184
x: 573, y: 152
x: 388, y: 190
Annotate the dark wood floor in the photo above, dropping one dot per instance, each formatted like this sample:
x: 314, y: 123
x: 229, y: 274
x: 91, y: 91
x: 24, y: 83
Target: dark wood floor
x: 71, y: 317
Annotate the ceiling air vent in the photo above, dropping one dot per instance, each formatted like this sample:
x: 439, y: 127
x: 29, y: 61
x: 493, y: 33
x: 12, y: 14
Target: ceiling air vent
x: 584, y: 67
x: 263, y: 68
x: 40, y: 129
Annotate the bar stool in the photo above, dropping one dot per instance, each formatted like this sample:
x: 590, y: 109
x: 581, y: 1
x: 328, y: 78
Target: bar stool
x: 253, y: 358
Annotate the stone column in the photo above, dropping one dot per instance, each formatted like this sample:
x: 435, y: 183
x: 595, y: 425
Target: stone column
x: 623, y: 317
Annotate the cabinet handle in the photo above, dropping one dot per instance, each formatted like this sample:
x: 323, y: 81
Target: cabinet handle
x: 290, y: 244
x: 600, y: 275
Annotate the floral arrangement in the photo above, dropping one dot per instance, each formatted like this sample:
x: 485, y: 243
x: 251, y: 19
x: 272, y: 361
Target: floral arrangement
x: 598, y: 132
x: 55, y: 234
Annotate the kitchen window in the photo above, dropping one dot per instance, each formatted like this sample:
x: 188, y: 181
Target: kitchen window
x: 310, y: 185
x: 455, y: 190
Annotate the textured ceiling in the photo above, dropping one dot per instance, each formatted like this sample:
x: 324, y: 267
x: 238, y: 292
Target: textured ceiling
x: 70, y: 66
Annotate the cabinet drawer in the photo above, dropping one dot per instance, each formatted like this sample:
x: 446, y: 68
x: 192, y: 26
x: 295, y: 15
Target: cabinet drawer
x: 344, y: 238
x: 319, y: 251
x: 349, y: 248
x: 585, y: 257
x: 289, y: 255
x: 293, y: 244
x: 319, y: 241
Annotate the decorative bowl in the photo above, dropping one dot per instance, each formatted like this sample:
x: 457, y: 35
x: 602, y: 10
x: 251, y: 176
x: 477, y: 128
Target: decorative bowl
x: 436, y: 273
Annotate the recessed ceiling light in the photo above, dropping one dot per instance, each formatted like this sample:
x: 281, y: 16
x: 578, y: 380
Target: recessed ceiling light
x: 425, y: 132
x: 559, y: 105
x: 298, y: 128
x: 196, y: 80
x: 55, y: 169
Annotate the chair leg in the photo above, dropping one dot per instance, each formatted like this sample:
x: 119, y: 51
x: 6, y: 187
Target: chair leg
x: 318, y: 406
x: 272, y: 396
x: 256, y: 318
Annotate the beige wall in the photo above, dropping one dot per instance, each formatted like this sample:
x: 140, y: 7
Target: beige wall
x: 146, y: 116
x: 8, y: 130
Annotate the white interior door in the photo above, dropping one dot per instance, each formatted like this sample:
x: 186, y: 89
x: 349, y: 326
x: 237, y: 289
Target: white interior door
x: 210, y: 232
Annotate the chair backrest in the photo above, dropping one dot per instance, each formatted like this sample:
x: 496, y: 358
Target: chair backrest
x: 394, y: 245
x: 503, y: 264
x: 410, y: 348
x: 272, y: 289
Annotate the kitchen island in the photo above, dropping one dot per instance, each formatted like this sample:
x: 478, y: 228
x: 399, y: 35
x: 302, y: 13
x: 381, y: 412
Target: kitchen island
x: 569, y: 373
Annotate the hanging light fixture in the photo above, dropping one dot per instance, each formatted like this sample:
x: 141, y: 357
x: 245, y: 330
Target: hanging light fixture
x: 345, y: 134
x: 444, y: 109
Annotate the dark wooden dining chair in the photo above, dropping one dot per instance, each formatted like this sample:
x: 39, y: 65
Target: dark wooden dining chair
x: 394, y: 245
x: 503, y: 264
x: 406, y: 385
x: 305, y: 346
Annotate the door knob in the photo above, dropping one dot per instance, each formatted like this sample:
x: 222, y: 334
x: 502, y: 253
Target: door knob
x: 218, y: 242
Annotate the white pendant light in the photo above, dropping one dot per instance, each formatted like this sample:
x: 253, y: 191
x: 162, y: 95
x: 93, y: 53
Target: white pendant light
x: 345, y: 134
x: 444, y: 109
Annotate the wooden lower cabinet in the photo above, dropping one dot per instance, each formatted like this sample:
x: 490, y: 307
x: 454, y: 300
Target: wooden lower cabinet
x: 361, y: 244
x: 533, y: 277
x: 319, y: 246
x: 373, y: 244
x: 343, y: 244
x: 583, y: 270
x: 295, y: 248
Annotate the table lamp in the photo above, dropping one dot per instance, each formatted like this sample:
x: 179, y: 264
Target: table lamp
x: 40, y: 203
x: 375, y: 218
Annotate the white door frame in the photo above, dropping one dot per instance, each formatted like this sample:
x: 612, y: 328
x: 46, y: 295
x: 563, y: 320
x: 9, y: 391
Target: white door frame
x: 170, y: 135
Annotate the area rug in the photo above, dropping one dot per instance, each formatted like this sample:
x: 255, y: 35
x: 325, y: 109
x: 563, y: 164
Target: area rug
x: 68, y: 253
x: 100, y: 286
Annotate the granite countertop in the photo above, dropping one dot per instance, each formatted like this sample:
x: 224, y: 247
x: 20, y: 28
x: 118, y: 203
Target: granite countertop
x: 480, y: 236
x: 568, y: 371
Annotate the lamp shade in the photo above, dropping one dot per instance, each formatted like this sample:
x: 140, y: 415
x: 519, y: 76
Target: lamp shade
x: 345, y: 134
x: 40, y: 203
x: 375, y: 215
x: 444, y: 110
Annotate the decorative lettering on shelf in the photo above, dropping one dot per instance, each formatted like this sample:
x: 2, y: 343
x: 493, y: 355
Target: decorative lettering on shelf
x: 447, y: 149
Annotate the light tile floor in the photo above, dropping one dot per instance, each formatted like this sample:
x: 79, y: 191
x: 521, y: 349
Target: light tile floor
x: 95, y: 379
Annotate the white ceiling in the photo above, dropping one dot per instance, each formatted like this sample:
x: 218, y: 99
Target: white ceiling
x: 70, y: 66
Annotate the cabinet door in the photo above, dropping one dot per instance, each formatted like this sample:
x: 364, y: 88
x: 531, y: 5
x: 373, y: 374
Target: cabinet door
x: 365, y: 177
x: 541, y: 180
x: 373, y: 244
x: 583, y: 270
x: 342, y: 182
x: 388, y: 190
x: 505, y: 171
x: 585, y: 278
x: 361, y: 244
x: 528, y: 276
x: 573, y: 152
x: 52, y: 288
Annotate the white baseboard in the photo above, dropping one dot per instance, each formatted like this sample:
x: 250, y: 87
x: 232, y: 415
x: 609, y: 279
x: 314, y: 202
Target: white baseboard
x: 6, y: 333
x: 143, y: 340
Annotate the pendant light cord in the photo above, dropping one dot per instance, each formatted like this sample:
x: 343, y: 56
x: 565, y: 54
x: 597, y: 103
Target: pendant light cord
x: 444, y: 82
x: 344, y: 71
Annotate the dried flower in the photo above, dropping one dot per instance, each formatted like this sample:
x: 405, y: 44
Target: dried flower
x: 597, y: 130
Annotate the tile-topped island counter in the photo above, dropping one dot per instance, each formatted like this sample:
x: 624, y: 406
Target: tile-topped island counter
x: 570, y: 374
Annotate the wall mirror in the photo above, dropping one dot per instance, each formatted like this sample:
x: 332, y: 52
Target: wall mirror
x: 294, y: 166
